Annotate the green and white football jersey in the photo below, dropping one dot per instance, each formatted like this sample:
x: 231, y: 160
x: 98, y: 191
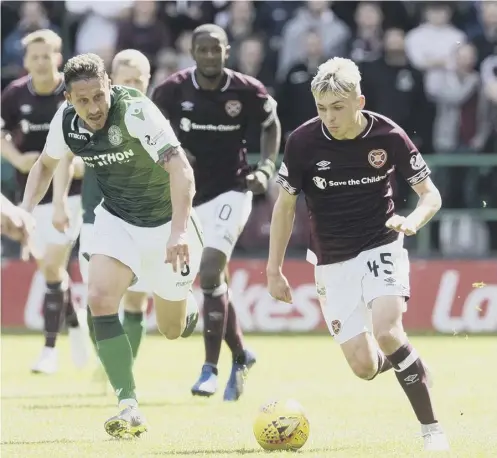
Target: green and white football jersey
x: 122, y: 156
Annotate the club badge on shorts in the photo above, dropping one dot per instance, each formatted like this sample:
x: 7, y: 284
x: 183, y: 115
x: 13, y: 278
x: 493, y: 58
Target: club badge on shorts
x: 377, y: 158
x: 233, y: 107
x: 336, y: 326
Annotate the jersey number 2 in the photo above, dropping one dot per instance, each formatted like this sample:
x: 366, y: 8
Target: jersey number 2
x: 385, y: 261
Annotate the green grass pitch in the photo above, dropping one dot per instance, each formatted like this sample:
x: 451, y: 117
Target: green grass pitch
x: 62, y: 415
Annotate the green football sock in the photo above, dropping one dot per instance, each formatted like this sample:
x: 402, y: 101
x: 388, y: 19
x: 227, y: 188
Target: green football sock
x: 115, y: 354
x: 91, y: 329
x: 135, y: 328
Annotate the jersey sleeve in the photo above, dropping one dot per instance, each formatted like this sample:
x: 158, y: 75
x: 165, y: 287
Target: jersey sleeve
x: 408, y: 160
x: 146, y: 122
x: 262, y: 105
x: 10, y: 109
x: 164, y: 97
x: 55, y: 144
x: 290, y: 172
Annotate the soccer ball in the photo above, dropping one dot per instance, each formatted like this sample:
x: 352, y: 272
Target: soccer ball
x: 281, y: 425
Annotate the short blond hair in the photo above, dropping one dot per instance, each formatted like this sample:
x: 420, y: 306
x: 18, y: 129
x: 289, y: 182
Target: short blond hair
x: 46, y: 36
x: 131, y: 58
x: 338, y: 76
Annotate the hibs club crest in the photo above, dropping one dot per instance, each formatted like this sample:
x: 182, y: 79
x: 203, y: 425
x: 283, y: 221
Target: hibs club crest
x: 115, y: 135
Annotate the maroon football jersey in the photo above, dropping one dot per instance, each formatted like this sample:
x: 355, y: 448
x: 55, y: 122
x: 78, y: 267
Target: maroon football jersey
x: 26, y: 115
x: 347, y: 184
x: 212, y: 126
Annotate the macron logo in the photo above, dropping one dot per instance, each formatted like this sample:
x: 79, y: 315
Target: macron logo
x: 77, y: 136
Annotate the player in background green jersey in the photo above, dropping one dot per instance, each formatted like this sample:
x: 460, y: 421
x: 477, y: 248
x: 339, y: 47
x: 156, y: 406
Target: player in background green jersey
x: 144, y: 227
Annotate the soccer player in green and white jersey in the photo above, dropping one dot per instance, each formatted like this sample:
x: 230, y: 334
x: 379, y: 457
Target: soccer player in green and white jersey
x: 144, y: 227
x: 130, y: 68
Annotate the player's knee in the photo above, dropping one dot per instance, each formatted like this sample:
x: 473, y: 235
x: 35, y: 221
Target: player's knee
x: 389, y: 338
x: 53, y: 272
x: 170, y: 331
x: 102, y: 303
x: 135, y: 302
x: 364, y: 368
x: 211, y: 277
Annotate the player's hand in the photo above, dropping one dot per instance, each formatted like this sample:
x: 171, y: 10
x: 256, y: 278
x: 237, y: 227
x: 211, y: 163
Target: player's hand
x: 279, y: 288
x: 177, y: 252
x: 257, y: 182
x: 17, y: 224
x: 401, y: 224
x: 61, y: 217
x: 26, y: 161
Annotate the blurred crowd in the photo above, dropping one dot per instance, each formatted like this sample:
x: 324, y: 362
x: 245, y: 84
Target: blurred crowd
x: 430, y: 66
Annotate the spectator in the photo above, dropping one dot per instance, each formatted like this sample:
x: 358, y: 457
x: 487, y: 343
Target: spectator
x: 97, y: 30
x: 33, y: 16
x: 430, y: 45
x: 367, y: 43
x: 297, y: 86
x: 317, y: 16
x: 486, y: 41
x: 251, y: 60
x: 393, y: 87
x: 167, y: 64
x: 184, y: 47
x: 143, y: 31
x: 239, y: 23
x: 456, y: 94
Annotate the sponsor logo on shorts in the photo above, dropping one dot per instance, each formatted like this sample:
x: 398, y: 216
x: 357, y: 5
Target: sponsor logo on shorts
x: 377, y: 158
x: 321, y: 290
x: 390, y: 281
x: 183, y: 283
x: 336, y: 326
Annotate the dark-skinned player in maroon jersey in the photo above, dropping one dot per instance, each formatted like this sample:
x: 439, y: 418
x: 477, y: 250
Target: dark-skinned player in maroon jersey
x: 210, y: 107
x: 28, y: 106
x: 343, y: 161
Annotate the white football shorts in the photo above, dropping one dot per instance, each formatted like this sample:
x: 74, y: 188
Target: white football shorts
x: 223, y: 219
x: 45, y: 233
x: 346, y: 289
x: 143, y: 250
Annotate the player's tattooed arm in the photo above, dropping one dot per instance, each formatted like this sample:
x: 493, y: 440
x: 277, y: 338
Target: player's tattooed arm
x: 182, y: 186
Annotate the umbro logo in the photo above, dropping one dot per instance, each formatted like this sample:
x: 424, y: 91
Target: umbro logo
x: 323, y: 165
x: 187, y: 105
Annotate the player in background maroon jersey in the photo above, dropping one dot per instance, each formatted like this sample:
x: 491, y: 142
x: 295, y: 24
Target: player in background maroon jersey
x: 210, y: 108
x: 343, y: 161
x: 28, y: 106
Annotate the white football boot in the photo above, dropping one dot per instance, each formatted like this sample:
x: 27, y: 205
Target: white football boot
x: 47, y: 362
x: 434, y: 437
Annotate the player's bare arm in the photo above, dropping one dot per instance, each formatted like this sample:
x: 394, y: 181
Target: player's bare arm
x: 15, y: 222
x: 182, y: 184
x: 62, y: 180
x: 428, y: 205
x: 280, y: 232
x: 39, y: 179
x: 270, y: 146
x: 22, y: 162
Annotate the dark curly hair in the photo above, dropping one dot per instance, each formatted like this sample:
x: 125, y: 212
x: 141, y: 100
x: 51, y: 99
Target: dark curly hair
x: 83, y: 67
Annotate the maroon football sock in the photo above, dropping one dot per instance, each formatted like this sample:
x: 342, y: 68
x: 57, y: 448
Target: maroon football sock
x: 411, y: 375
x: 234, y: 335
x: 53, y: 307
x: 215, y: 313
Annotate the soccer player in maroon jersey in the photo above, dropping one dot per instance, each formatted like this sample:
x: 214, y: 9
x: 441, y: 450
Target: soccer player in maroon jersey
x: 211, y: 107
x: 343, y: 162
x: 28, y: 106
